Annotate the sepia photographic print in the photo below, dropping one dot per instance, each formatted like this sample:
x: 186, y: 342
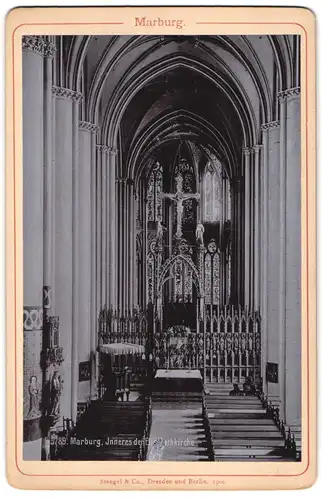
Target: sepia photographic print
x: 162, y: 246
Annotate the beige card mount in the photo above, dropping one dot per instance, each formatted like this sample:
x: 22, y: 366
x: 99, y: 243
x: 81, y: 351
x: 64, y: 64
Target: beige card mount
x: 161, y: 248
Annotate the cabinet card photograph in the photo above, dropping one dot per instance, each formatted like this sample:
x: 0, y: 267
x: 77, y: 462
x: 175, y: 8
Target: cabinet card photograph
x: 161, y: 228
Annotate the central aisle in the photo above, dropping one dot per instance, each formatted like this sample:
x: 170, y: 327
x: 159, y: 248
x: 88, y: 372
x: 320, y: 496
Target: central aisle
x: 177, y: 433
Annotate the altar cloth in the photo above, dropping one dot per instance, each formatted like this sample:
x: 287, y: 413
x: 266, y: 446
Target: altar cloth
x: 192, y: 374
x: 121, y: 348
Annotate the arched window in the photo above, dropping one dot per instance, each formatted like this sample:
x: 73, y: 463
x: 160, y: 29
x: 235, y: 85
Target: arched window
x: 182, y: 282
x: 211, y: 209
x: 154, y: 189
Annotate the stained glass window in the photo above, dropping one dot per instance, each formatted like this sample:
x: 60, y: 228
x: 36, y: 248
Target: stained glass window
x: 208, y: 273
x: 150, y: 272
x: 211, y: 194
x: 183, y: 282
x: 155, y: 186
x: 229, y: 276
x: 229, y: 201
x: 212, y: 274
x: 216, y: 278
x: 178, y: 280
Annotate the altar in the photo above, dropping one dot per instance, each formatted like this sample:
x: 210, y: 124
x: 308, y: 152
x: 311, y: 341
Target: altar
x: 178, y: 381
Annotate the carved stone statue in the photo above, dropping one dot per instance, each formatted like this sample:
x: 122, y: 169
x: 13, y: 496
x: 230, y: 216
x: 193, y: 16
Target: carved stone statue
x: 159, y: 231
x: 200, y: 233
x: 55, y: 394
x: 34, y: 398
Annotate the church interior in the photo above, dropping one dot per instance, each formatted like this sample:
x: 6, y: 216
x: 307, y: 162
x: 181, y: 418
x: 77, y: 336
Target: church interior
x: 162, y: 247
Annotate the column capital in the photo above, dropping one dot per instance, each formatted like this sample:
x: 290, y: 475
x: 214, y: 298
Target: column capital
x: 270, y: 125
x: 257, y: 147
x: 106, y: 149
x: 69, y: 94
x: 286, y: 95
x: 91, y: 127
x: 102, y: 148
x: 247, y: 151
x: 125, y: 180
x: 39, y: 45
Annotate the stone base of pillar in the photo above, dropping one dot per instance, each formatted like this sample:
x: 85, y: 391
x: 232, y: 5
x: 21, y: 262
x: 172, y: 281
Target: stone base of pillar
x: 32, y: 429
x: 32, y: 450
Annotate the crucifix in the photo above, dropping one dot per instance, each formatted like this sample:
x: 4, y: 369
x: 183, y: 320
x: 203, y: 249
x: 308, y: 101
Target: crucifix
x: 179, y: 197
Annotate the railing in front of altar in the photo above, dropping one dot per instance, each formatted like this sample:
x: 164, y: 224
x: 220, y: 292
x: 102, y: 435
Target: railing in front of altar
x: 226, y: 346
x: 232, y: 344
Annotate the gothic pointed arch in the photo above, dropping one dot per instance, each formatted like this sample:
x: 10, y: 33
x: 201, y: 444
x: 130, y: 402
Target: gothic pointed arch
x: 167, y: 266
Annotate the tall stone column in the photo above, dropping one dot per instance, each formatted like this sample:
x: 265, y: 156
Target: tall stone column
x: 99, y: 155
x: 257, y: 224
x: 112, y: 226
x: 104, y: 153
x: 66, y: 286
x: 135, y: 256
x: 107, y: 234
x: 132, y: 248
x: 290, y: 254
x: 106, y: 224
x: 118, y: 243
x: 282, y: 254
x: 76, y: 202
x: 247, y: 227
x: 86, y: 167
x: 264, y: 253
x: 48, y: 177
x: 237, y: 291
x: 51, y: 323
x: 222, y: 261
x: 270, y: 276
x: 121, y: 216
x: 127, y: 243
x: 93, y: 296
x: 103, y: 237
x: 33, y: 209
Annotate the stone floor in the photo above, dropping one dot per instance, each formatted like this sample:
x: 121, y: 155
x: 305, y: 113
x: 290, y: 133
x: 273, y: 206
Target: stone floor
x: 177, y: 434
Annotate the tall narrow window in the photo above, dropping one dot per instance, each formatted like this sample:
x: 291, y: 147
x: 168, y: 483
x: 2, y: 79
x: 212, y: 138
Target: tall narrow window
x: 208, y: 274
x: 150, y: 273
x: 229, y: 276
x: 182, y: 282
x: 229, y: 201
x: 154, y: 189
x: 211, y: 194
